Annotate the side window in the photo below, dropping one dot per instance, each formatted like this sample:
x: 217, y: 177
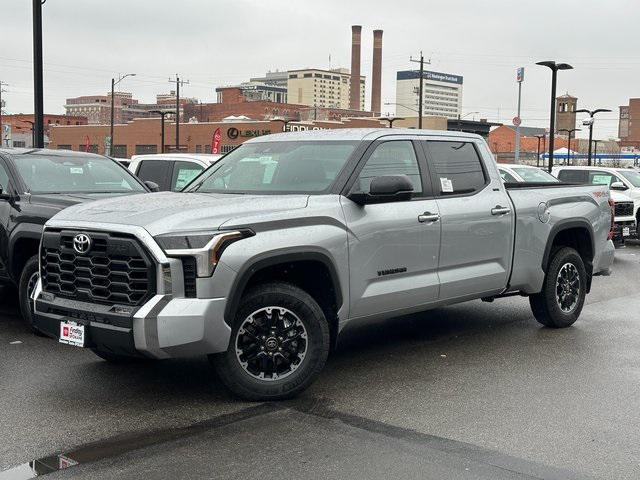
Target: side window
x: 602, y: 178
x: 507, y: 177
x: 4, y: 179
x: 456, y: 167
x: 392, y: 158
x: 157, y: 171
x: 183, y: 173
x: 573, y: 176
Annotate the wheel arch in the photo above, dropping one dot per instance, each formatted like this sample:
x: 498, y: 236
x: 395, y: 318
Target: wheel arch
x: 286, y: 266
x: 23, y: 244
x: 574, y: 233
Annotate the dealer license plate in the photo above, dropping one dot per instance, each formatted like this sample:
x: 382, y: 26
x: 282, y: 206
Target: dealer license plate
x: 72, y: 334
x: 625, y: 231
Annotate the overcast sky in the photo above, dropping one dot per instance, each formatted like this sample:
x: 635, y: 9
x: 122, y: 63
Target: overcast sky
x: 221, y: 42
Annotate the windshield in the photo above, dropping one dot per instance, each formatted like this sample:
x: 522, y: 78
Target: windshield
x: 74, y: 174
x: 534, y: 175
x: 276, y: 167
x: 632, y: 176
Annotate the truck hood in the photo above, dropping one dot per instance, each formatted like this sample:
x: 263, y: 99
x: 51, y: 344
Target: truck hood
x: 64, y: 200
x: 167, y: 212
x: 619, y: 196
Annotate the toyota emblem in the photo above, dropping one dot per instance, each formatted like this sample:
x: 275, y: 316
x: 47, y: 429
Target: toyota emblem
x: 81, y: 243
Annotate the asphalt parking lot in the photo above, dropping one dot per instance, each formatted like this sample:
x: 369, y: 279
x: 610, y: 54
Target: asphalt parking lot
x: 472, y: 391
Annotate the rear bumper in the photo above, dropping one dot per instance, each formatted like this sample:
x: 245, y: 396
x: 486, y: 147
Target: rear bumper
x: 604, y: 260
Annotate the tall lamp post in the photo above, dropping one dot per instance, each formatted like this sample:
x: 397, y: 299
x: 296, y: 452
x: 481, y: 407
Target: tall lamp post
x: 114, y: 82
x: 390, y: 119
x: 543, y: 138
x: 554, y: 67
x: 589, y: 122
x: 569, y: 132
x: 162, y: 114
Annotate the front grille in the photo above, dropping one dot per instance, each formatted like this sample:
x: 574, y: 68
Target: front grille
x: 189, y: 274
x: 115, y: 270
x: 624, y: 209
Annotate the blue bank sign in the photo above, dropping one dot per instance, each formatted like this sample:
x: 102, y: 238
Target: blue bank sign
x: 429, y: 75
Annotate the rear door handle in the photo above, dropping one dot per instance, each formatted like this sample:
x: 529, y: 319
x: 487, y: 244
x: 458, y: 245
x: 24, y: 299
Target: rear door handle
x: 428, y: 217
x: 499, y: 210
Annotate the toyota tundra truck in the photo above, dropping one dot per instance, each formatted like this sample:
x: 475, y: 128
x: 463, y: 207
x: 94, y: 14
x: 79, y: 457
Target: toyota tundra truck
x: 265, y: 258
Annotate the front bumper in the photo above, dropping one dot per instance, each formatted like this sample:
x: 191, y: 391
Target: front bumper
x: 618, y: 231
x: 168, y: 325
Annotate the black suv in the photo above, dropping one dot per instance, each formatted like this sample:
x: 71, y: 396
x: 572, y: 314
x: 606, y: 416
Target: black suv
x: 35, y: 184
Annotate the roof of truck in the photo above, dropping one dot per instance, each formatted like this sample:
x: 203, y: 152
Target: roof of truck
x: 358, y: 134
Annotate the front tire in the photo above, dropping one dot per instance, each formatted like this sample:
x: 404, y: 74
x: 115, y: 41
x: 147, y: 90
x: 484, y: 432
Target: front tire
x: 279, y: 344
x: 564, y: 290
x: 26, y: 286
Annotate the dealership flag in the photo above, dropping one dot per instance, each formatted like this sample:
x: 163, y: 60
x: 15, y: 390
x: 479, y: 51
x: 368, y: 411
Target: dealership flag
x: 215, y: 141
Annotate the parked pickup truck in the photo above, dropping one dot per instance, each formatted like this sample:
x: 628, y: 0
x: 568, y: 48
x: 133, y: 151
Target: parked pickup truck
x: 269, y: 254
x: 35, y: 184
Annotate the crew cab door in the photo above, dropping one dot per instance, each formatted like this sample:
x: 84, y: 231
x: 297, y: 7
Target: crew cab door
x: 476, y: 219
x: 393, y: 246
x: 5, y: 212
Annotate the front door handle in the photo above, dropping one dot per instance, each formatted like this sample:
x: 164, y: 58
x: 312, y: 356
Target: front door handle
x: 500, y: 210
x: 428, y: 217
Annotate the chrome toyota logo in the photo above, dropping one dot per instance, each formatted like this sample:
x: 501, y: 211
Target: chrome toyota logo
x: 81, y: 243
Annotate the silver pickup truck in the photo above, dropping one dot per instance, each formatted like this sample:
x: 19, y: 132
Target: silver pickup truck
x: 269, y: 254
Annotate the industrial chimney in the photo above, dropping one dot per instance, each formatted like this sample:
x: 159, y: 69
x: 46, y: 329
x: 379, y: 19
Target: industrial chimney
x: 354, y: 95
x: 376, y: 73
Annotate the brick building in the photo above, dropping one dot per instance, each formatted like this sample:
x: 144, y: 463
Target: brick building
x: 566, y: 107
x: 629, y: 124
x: 235, y: 101
x: 97, y: 108
x: 502, y: 142
x: 143, y: 135
x: 17, y: 128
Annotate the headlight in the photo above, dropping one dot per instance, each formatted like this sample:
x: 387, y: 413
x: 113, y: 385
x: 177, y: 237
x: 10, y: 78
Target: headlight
x: 206, y: 248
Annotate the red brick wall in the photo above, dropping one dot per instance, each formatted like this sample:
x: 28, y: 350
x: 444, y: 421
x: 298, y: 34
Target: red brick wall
x: 503, y: 139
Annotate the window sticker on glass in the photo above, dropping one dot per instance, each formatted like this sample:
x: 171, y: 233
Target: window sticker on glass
x: 76, y: 171
x: 601, y: 179
x: 446, y: 185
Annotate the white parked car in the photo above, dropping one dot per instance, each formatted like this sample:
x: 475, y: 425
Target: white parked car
x: 624, y: 185
x: 171, y: 171
x: 517, y: 173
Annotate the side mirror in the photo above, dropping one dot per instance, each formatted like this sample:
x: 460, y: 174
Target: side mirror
x: 3, y: 195
x: 153, y: 186
x: 618, y: 186
x: 386, y: 188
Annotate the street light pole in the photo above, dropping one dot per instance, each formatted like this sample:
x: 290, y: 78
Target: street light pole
x: 569, y: 132
x: 162, y: 115
x: 38, y: 94
x: 114, y: 82
x: 591, y: 120
x: 539, y: 137
x: 554, y: 67
x: 595, y: 150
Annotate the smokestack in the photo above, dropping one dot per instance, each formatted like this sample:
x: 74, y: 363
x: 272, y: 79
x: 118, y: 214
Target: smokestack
x: 354, y: 95
x: 376, y: 73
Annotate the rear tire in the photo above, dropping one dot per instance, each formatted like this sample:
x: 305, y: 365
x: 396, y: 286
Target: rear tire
x: 279, y: 344
x: 560, y: 302
x: 26, y: 285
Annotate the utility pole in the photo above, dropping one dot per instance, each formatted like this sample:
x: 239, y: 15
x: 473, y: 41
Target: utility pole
x: 2, y: 84
x: 178, y: 83
x: 114, y: 82
x: 420, y: 88
x: 38, y: 97
x: 520, y: 79
x: 595, y: 151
